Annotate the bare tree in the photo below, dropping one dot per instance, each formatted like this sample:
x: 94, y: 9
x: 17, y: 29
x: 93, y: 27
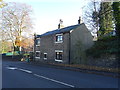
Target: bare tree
x: 16, y: 20
x: 2, y: 40
x: 27, y: 43
x: 90, y: 15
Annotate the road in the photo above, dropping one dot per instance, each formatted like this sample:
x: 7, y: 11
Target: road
x: 16, y: 74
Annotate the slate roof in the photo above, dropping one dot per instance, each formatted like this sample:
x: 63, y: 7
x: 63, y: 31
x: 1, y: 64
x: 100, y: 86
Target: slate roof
x: 62, y: 30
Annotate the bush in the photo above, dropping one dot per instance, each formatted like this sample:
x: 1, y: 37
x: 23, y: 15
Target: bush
x: 107, y: 38
x: 104, y: 45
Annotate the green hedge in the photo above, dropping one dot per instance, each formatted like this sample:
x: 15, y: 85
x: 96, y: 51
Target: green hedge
x: 105, y: 45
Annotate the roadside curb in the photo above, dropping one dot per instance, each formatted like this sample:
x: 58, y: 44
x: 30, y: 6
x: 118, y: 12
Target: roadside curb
x: 110, y: 74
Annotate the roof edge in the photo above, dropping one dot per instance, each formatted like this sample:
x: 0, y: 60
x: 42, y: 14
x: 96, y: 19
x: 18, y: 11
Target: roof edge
x: 62, y: 30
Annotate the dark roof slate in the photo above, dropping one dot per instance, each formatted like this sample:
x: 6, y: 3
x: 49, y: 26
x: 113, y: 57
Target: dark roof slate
x: 57, y: 31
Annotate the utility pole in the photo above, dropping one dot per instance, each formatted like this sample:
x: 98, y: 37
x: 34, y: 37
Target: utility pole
x: 82, y: 13
x: 97, y: 27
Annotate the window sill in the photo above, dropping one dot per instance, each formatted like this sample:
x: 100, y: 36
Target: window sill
x: 58, y: 60
x: 37, y: 57
x: 37, y: 51
x: 45, y: 58
x: 37, y: 45
x: 59, y: 42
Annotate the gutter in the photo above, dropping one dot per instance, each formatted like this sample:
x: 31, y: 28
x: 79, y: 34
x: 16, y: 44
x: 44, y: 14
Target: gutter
x: 69, y: 47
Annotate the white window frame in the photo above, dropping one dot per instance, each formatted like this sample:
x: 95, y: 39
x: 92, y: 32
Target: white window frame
x: 55, y: 56
x: 58, y: 60
x: 59, y: 35
x: 39, y: 40
x: 45, y: 58
x: 39, y: 55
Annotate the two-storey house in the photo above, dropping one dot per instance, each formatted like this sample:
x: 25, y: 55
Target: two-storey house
x: 60, y: 45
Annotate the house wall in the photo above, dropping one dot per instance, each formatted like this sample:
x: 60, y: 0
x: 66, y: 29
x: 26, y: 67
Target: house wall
x: 36, y: 48
x: 81, y: 39
x: 64, y: 46
x: 48, y: 45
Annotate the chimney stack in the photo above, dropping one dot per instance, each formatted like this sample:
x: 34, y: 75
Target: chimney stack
x: 79, y: 21
x: 60, y: 25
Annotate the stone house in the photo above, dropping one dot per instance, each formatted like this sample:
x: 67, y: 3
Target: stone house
x: 62, y: 44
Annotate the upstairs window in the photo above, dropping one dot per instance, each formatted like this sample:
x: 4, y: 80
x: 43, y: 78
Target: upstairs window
x: 59, y: 38
x: 38, y: 41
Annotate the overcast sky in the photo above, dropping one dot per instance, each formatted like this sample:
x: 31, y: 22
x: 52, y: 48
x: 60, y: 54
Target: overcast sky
x: 47, y: 13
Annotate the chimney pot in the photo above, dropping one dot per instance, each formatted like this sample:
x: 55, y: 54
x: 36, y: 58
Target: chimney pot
x: 79, y: 21
x: 60, y: 25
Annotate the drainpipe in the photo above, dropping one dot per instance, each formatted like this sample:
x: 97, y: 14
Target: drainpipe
x: 34, y: 49
x: 69, y: 47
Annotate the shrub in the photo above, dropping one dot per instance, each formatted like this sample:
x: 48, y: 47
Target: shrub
x: 104, y: 45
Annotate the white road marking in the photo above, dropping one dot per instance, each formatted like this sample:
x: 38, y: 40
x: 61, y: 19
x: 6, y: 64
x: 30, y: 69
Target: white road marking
x: 25, y: 70
x: 54, y: 80
x: 12, y: 68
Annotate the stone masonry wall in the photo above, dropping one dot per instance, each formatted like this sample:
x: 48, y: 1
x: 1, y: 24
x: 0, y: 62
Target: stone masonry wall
x: 48, y: 45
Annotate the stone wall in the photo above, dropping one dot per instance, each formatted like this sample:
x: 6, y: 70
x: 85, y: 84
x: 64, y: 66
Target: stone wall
x: 81, y: 39
x: 103, y: 61
x: 48, y: 45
